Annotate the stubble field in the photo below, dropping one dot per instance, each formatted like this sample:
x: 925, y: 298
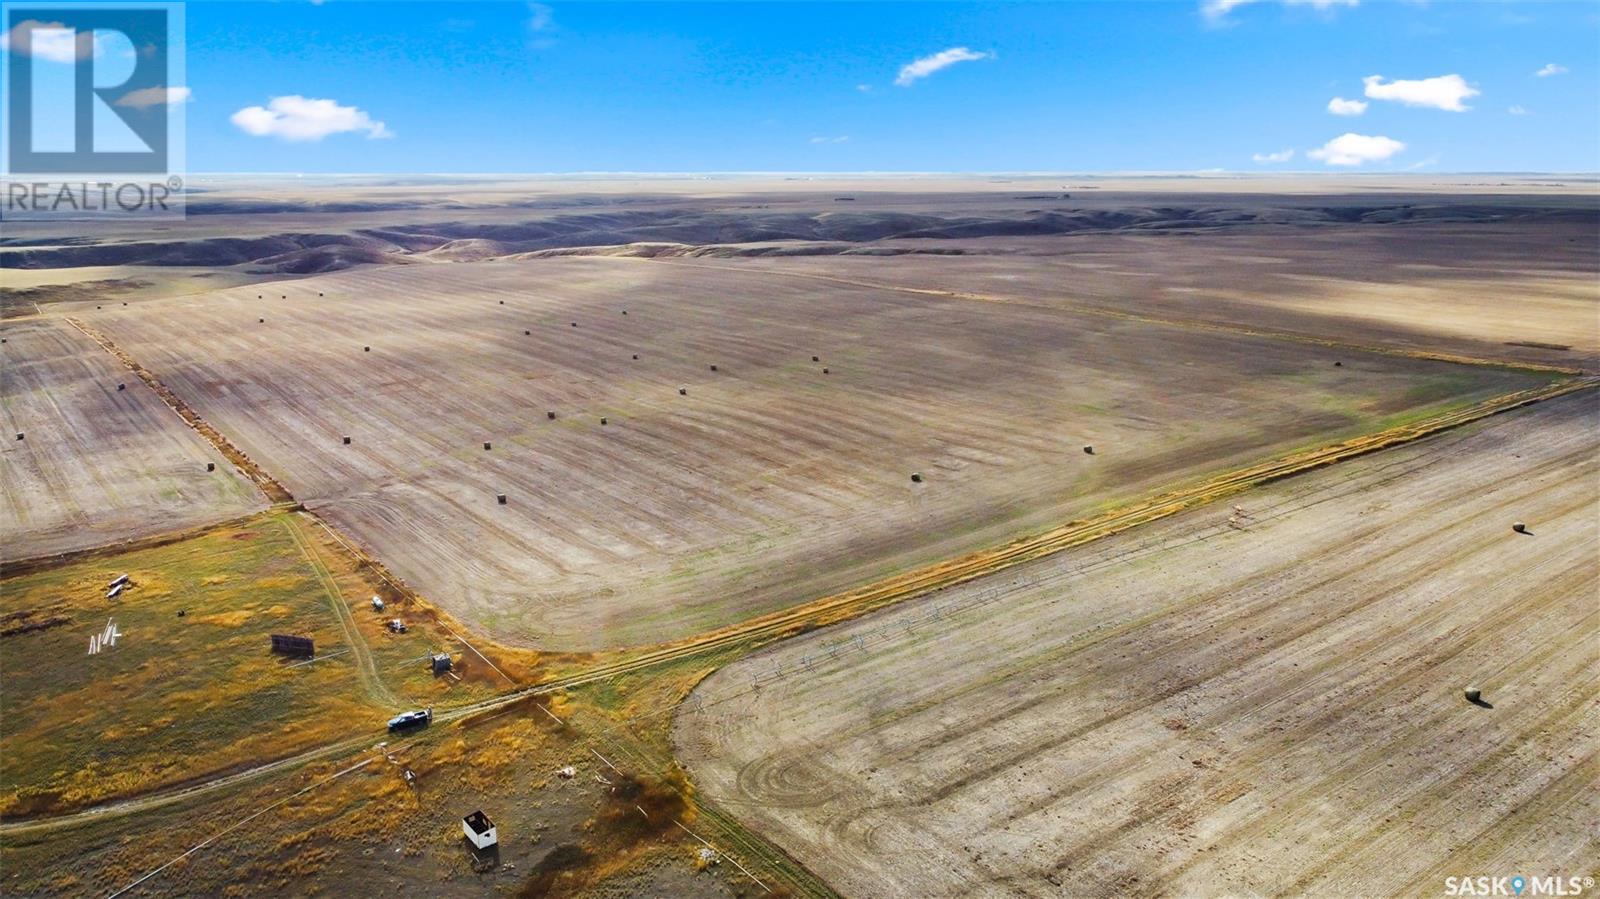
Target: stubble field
x: 95, y: 464
x: 1266, y: 705
x: 667, y: 498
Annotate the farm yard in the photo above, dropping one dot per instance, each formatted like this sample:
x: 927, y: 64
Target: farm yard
x: 1265, y: 700
x: 93, y: 456
x: 774, y: 439
x: 190, y: 689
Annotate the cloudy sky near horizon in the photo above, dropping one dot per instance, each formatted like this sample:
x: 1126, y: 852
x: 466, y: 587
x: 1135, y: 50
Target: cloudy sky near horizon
x: 1239, y: 85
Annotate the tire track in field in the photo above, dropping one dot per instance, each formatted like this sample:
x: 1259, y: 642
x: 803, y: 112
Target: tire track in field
x: 366, y: 668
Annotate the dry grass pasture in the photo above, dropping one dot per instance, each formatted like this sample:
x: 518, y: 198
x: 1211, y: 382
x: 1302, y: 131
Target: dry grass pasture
x: 96, y: 465
x: 641, y: 513
x: 191, y: 689
x: 1267, y: 706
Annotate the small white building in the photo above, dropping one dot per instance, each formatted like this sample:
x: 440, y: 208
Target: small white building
x: 479, y: 830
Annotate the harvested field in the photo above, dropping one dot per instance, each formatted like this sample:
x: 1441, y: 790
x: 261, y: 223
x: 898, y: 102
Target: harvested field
x: 1526, y: 291
x: 96, y: 464
x: 710, y: 496
x: 1271, y: 704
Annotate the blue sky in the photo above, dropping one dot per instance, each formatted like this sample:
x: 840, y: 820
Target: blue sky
x: 1103, y: 86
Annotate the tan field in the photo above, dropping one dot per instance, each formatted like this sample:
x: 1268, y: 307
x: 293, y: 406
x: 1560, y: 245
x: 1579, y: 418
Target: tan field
x: 769, y: 480
x: 97, y: 465
x: 1272, y: 705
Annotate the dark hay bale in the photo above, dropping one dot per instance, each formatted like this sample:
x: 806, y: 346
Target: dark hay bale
x: 366, y: 349
x: 624, y: 312
x: 486, y: 444
x: 1089, y: 450
x: 1338, y: 365
x: 713, y: 368
x: 1519, y: 527
x: 261, y: 321
x: 500, y: 498
x: 602, y: 421
x: 916, y: 477
x: 550, y: 415
x: 574, y: 324
x: 816, y: 359
x: 824, y: 371
x: 211, y: 466
x: 347, y: 441
x: 635, y: 355
x: 683, y: 391
x: 121, y: 387
x: 527, y: 333
x: 19, y: 435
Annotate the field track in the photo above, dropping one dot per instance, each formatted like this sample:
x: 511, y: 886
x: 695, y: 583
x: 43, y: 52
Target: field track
x: 841, y: 607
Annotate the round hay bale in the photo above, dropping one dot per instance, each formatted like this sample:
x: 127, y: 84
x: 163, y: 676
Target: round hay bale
x: 502, y: 302
x: 526, y: 333
x: 261, y: 321
x: 486, y: 444
x: 624, y: 312
x: 713, y: 367
x: 1473, y: 694
x: 824, y: 371
x: 19, y: 435
x: 602, y: 421
x: 1338, y: 365
x: 1089, y: 450
x: 816, y: 359
x: 916, y: 477
x: 347, y: 440
x: 683, y: 391
x: 574, y: 324
x: 211, y: 466
x: 1519, y: 527
x: 121, y: 387
x: 635, y: 355
x: 550, y: 415
x: 500, y: 498
x: 366, y: 349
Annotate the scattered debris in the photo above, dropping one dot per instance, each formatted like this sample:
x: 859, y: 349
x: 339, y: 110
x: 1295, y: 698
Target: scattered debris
x: 396, y: 626
x: 567, y: 773
x: 106, y: 638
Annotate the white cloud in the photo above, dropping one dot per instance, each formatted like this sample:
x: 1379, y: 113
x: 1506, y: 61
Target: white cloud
x: 1341, y: 106
x: 1280, y: 156
x: 51, y: 40
x: 1517, y: 110
x: 155, y: 96
x: 1219, y: 9
x: 1442, y: 92
x: 540, y: 17
x: 927, y: 65
x: 1354, y: 149
x: 1549, y: 69
x: 864, y: 88
x: 841, y: 139
x: 297, y: 118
